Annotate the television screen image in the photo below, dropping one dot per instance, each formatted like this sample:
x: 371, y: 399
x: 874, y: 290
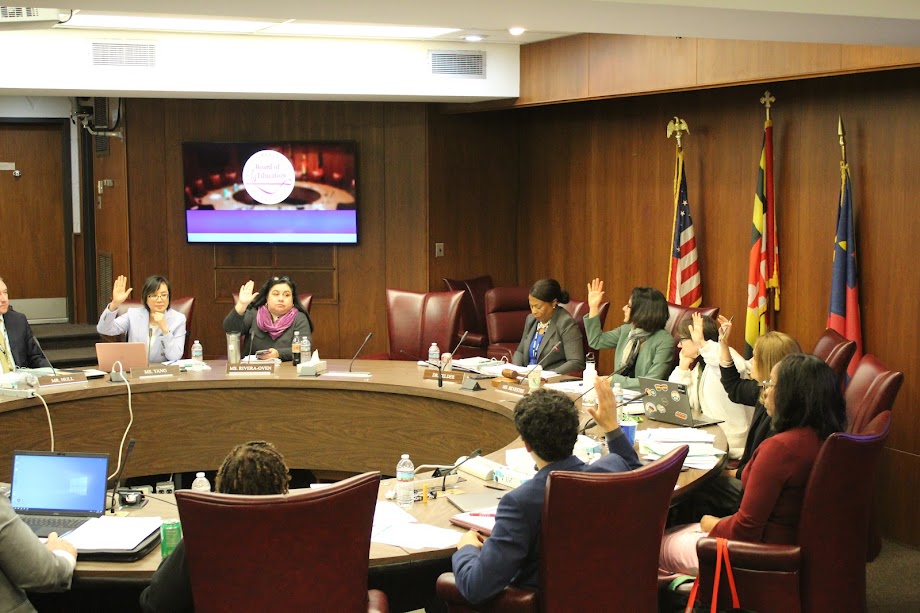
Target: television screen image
x: 270, y: 192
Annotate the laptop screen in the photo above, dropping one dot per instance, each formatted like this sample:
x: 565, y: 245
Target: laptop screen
x: 59, y: 482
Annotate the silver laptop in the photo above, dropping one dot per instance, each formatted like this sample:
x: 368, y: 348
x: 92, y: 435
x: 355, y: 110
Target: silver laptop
x: 131, y: 355
x: 668, y: 402
x: 56, y: 491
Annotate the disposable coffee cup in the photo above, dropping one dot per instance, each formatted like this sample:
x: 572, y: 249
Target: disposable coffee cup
x: 629, y: 429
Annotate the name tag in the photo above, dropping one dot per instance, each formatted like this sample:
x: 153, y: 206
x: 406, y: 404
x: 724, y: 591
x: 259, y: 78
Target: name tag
x: 250, y: 369
x: 155, y: 371
x: 51, y: 380
x: 512, y: 388
x: 449, y: 376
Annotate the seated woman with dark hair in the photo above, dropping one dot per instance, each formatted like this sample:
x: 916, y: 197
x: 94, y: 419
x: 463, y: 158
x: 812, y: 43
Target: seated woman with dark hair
x: 269, y: 317
x: 643, y: 347
x: 551, y: 337
x: 255, y: 468
x: 803, y: 399
x: 155, y: 323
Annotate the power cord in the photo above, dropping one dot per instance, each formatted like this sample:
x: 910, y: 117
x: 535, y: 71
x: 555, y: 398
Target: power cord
x: 121, y: 374
x: 48, y: 413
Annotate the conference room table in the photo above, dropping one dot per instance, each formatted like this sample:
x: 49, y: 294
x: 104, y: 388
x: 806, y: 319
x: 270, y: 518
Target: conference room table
x: 339, y: 423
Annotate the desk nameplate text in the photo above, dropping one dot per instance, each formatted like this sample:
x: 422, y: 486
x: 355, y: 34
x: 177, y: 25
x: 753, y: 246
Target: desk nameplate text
x: 250, y: 369
x: 155, y: 371
x: 50, y: 380
x: 448, y: 375
x: 512, y: 388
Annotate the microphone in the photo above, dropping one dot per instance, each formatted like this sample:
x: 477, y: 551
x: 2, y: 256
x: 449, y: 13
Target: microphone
x: 462, y: 338
x: 149, y: 342
x: 591, y: 423
x: 540, y: 363
x: 45, y: 355
x: 252, y: 337
x: 121, y: 470
x: 358, y: 352
x: 432, y: 364
x: 444, y: 473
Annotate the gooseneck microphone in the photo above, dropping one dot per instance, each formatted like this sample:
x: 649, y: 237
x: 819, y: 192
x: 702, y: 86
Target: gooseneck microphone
x: 121, y: 470
x: 432, y: 364
x: 252, y: 337
x: 462, y: 338
x: 591, y: 423
x: 540, y: 363
x: 444, y: 473
x: 45, y: 355
x: 361, y: 348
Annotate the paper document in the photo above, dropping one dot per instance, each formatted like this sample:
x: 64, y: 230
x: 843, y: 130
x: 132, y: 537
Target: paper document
x: 480, y: 520
x: 415, y: 536
x: 113, y: 533
x: 389, y: 513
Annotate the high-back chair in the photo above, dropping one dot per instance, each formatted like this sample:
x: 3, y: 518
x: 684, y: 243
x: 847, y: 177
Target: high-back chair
x: 185, y: 305
x: 304, y: 551
x: 472, y: 314
x: 507, y: 309
x: 677, y: 313
x: 578, y: 309
x: 836, y: 351
x: 415, y: 320
x: 305, y: 300
x: 826, y: 569
x: 569, y: 546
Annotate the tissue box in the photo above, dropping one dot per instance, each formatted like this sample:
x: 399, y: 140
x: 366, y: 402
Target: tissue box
x: 510, y: 477
x: 587, y: 449
x: 311, y: 369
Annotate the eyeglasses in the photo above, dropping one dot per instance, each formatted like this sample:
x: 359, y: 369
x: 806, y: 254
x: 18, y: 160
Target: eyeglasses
x: 282, y: 279
x: 767, y: 384
x: 158, y: 297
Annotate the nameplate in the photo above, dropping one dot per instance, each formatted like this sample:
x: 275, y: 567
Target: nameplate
x: 250, y: 369
x: 450, y: 376
x: 50, y: 380
x: 512, y: 388
x: 155, y: 371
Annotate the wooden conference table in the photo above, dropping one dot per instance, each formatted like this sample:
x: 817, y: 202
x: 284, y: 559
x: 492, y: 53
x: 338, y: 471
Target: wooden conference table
x: 189, y: 422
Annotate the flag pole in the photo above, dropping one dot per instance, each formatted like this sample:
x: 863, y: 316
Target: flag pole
x: 676, y: 128
x: 842, y: 134
x: 772, y: 282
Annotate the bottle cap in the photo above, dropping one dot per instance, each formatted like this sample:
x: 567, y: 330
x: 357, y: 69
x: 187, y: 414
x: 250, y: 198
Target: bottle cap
x: 405, y: 456
x: 199, y: 474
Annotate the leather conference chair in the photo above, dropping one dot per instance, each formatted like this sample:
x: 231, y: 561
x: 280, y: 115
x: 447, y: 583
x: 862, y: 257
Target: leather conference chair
x: 570, y: 550
x: 826, y: 569
x: 506, y: 310
x: 836, y: 351
x: 578, y: 309
x: 677, y: 313
x: 186, y: 306
x: 415, y: 320
x: 304, y: 551
x: 472, y: 314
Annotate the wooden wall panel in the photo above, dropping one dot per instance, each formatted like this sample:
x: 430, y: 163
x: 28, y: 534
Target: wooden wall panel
x: 734, y: 61
x: 898, y: 504
x: 555, y: 69
x: 622, y: 64
x: 860, y: 57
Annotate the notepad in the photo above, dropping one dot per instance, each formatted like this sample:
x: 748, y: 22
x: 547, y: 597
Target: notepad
x: 480, y: 520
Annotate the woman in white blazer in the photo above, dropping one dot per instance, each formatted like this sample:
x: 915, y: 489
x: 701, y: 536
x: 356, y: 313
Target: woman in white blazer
x: 157, y: 325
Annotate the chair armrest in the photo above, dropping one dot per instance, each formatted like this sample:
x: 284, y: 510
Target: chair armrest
x: 511, y: 600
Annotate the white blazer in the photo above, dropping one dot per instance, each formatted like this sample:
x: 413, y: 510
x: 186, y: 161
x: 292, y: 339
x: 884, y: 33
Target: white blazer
x: 136, y: 323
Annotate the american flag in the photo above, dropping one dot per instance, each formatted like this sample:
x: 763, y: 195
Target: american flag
x: 684, y: 286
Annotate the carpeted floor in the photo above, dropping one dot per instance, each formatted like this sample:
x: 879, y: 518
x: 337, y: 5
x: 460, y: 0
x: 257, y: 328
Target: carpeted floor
x: 893, y: 580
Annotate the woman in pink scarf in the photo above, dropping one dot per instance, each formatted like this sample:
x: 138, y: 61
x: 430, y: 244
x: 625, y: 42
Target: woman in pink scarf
x: 269, y: 318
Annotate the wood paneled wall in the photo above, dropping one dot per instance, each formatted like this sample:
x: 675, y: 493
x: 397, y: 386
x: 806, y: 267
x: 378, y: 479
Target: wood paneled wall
x: 350, y: 281
x: 595, y: 199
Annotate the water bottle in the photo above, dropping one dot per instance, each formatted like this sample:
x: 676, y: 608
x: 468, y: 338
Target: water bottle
x: 306, y: 348
x: 434, y: 355
x: 295, y: 348
x: 618, y: 399
x: 405, y: 477
x: 587, y: 382
x: 201, y: 483
x: 197, y: 354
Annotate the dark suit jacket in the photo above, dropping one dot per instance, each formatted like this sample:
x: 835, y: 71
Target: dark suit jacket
x: 511, y: 554
x: 563, y: 330
x: 170, y: 589
x: 26, y: 351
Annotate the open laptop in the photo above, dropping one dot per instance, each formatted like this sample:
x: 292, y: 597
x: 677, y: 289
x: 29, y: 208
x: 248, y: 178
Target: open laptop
x: 131, y: 355
x: 668, y: 402
x: 56, y: 491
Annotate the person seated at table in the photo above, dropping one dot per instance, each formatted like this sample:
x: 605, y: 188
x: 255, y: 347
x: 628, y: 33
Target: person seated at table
x: 161, y: 328
x: 804, y: 402
x: 643, y: 347
x: 547, y: 421
x: 18, y: 346
x: 551, y: 337
x: 255, y: 468
x: 698, y: 369
x: 269, y: 318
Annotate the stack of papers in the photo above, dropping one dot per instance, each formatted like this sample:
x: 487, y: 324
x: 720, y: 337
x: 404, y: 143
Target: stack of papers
x: 475, y: 364
x: 109, y: 533
x: 480, y: 520
x: 394, y: 526
x: 656, y: 442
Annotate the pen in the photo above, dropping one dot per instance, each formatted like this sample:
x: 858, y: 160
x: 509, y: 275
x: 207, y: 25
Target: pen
x: 482, y: 514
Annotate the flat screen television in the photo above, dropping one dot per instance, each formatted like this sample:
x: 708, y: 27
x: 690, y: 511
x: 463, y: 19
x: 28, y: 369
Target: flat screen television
x: 270, y: 192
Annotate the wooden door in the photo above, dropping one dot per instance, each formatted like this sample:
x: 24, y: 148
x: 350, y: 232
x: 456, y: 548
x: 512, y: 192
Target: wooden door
x: 35, y: 218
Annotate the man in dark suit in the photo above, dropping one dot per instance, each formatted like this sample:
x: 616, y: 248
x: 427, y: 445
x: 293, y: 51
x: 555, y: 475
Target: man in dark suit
x: 18, y: 346
x: 548, y: 424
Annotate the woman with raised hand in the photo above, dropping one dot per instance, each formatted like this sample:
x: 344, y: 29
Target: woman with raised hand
x: 643, y: 348
x: 269, y: 317
x: 551, y: 337
x: 154, y: 323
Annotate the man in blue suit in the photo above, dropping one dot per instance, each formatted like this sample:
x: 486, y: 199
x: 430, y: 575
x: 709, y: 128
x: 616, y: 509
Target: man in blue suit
x: 548, y: 424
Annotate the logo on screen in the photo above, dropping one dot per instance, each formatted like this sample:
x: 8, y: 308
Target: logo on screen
x: 268, y: 176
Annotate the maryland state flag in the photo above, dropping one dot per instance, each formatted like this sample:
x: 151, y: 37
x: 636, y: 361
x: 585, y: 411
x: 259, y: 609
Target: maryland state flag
x: 684, y: 286
x: 763, y: 262
x: 844, y: 312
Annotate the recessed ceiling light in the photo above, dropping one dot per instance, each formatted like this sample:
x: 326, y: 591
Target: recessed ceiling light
x: 516, y: 31
x: 472, y: 38
x: 355, y: 30
x: 163, y: 24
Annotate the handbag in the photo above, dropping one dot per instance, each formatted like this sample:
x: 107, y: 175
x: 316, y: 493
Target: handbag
x: 721, y: 554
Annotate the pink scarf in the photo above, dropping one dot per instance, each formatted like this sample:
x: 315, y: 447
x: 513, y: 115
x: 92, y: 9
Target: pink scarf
x: 274, y: 328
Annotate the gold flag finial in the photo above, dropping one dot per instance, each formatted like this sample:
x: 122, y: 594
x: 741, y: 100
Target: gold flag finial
x: 767, y: 100
x: 842, y: 133
x: 677, y: 127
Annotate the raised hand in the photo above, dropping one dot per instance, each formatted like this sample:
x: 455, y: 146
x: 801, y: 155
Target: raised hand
x: 606, y: 413
x: 696, y: 331
x: 595, y: 297
x: 246, y: 295
x: 119, y: 293
x: 725, y: 328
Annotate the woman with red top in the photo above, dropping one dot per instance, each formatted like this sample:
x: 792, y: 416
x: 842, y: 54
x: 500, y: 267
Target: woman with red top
x: 803, y: 399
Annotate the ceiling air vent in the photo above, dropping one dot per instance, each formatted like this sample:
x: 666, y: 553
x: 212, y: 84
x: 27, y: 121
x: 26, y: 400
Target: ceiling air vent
x: 27, y: 17
x: 460, y: 64
x: 124, y: 54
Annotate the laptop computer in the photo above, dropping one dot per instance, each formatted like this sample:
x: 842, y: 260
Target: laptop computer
x: 667, y: 401
x: 56, y: 491
x: 131, y: 355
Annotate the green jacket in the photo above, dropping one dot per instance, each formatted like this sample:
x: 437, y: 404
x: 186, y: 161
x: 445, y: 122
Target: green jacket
x: 656, y: 355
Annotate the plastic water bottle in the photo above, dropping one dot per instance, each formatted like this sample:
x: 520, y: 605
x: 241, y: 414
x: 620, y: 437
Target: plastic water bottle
x: 295, y: 348
x: 434, y: 355
x: 201, y: 483
x: 405, y: 477
x: 197, y: 354
x: 618, y: 398
x: 306, y: 348
x: 587, y: 381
